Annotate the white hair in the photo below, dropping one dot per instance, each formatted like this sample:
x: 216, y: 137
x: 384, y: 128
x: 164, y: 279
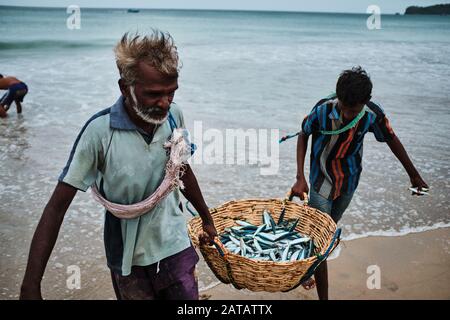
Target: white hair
x: 156, y: 49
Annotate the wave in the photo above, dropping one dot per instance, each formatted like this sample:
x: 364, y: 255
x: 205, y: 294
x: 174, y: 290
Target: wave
x: 46, y: 44
x: 396, y: 233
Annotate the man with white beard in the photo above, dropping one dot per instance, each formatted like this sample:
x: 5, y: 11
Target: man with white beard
x: 121, y: 151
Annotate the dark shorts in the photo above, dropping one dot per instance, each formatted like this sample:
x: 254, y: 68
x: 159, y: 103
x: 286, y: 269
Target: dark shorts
x: 15, y: 92
x: 335, y: 208
x: 175, y: 279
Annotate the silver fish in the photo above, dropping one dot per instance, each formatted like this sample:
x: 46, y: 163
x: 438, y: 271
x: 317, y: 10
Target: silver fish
x: 292, y: 228
x: 235, y: 241
x: 303, y: 255
x: 300, y: 240
x: 295, y: 255
x: 284, y: 256
x: 259, y: 229
x: 272, y: 255
x: 257, y: 246
x: 266, y: 218
x: 244, y: 223
x: 242, y: 246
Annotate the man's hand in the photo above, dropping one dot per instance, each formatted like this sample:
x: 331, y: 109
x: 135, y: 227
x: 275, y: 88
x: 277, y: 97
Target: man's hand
x: 299, y: 188
x: 208, y: 234
x: 30, y: 292
x: 417, y: 182
x: 400, y: 152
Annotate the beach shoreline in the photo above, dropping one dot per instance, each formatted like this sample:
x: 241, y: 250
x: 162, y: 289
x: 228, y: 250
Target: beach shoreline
x: 413, y: 266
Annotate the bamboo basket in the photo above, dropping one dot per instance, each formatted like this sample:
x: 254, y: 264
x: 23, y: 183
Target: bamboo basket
x: 256, y: 275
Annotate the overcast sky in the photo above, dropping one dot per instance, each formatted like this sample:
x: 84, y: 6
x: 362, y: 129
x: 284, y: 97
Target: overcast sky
x: 354, y: 6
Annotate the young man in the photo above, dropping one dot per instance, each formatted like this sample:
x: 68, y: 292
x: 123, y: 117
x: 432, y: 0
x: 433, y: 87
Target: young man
x: 338, y: 125
x: 121, y: 149
x: 16, y: 92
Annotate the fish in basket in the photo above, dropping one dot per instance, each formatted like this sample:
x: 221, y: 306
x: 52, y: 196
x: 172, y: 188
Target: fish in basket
x: 268, y: 245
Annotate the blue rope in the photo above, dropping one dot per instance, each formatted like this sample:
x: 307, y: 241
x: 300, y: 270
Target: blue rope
x: 188, y: 208
x: 289, y: 136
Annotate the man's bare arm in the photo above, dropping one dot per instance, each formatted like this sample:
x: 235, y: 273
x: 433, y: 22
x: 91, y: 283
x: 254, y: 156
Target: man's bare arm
x: 301, y: 186
x: 44, y: 239
x: 194, y: 195
x: 399, y: 151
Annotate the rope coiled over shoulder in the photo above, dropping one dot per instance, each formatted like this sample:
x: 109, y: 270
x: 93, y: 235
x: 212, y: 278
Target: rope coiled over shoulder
x: 180, y: 151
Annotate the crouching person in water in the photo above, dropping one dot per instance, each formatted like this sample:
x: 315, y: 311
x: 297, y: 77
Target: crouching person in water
x: 121, y: 149
x: 338, y: 125
x: 16, y: 92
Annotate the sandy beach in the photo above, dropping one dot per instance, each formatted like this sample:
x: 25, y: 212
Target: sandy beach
x: 414, y: 266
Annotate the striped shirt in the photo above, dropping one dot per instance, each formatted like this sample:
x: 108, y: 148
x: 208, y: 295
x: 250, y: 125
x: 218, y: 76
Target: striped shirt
x: 335, y: 165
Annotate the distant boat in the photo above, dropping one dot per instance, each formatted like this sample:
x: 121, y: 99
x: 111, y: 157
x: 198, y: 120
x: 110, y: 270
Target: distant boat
x: 133, y: 10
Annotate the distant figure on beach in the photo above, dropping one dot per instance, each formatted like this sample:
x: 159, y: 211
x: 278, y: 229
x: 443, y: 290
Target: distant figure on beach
x: 122, y: 151
x: 16, y: 92
x: 338, y: 124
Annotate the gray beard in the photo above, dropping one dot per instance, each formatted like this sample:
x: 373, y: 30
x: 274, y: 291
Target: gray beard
x: 146, y: 113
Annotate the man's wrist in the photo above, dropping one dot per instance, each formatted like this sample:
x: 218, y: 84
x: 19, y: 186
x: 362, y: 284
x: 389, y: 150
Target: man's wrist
x: 413, y: 173
x: 300, y: 177
x: 207, y: 221
x: 206, y: 217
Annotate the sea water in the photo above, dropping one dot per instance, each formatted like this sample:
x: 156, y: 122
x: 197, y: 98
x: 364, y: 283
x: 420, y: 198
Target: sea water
x: 241, y: 70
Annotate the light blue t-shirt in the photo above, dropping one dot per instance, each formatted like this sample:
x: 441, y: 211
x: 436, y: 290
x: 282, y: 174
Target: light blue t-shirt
x: 111, y: 151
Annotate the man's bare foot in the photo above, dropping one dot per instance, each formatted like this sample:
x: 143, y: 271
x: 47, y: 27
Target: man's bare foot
x: 309, y: 284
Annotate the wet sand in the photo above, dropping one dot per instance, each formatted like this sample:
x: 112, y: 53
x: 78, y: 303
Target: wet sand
x: 414, y: 266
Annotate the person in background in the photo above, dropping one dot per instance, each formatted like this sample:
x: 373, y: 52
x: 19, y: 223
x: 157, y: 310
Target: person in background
x: 16, y: 92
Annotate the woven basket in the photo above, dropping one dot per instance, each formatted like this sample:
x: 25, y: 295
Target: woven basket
x: 269, y: 276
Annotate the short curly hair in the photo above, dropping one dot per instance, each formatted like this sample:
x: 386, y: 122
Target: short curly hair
x: 354, y: 87
x: 157, y: 49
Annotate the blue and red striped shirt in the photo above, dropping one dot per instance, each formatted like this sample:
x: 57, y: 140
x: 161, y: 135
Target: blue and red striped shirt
x: 335, y: 165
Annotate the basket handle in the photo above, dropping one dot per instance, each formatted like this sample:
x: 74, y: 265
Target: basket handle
x: 219, y: 246
x: 289, y: 196
x: 336, y: 239
x: 222, y: 252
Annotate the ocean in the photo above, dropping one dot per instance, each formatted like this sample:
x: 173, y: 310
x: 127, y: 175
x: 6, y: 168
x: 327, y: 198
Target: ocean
x: 241, y: 70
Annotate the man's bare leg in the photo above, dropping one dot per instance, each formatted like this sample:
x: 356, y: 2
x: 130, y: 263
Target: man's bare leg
x: 18, y: 106
x: 3, y: 113
x: 321, y: 276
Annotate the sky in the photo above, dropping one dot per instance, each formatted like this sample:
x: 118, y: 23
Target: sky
x: 351, y: 6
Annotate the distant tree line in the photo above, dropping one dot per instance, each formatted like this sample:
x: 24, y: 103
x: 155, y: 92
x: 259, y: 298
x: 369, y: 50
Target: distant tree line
x: 441, y: 9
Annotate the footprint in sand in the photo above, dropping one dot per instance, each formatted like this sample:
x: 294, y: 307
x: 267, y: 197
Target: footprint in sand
x: 392, y: 286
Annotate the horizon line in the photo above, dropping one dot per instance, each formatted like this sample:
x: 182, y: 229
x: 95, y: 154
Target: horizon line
x: 197, y: 9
